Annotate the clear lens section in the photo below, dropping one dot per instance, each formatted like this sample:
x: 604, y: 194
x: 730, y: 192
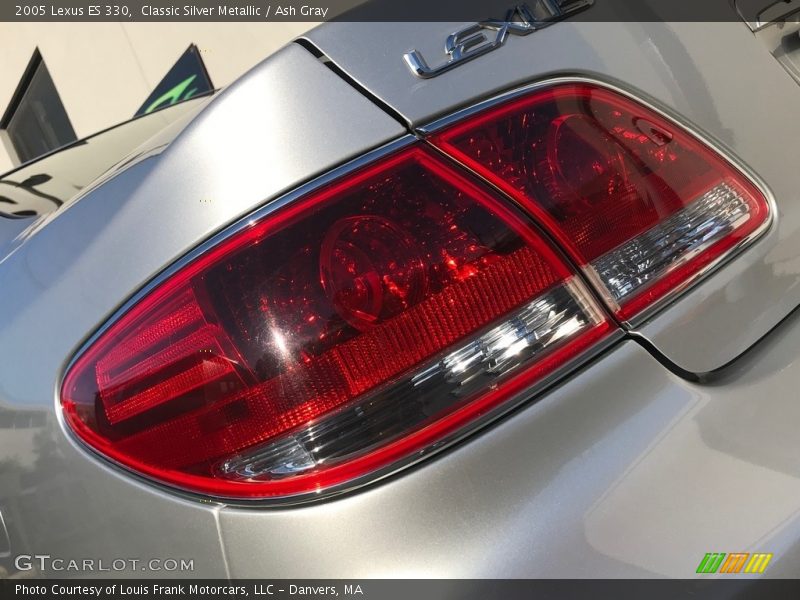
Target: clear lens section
x: 631, y: 267
x: 525, y: 337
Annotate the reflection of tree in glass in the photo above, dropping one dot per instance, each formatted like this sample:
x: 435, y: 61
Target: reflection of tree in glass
x: 23, y: 190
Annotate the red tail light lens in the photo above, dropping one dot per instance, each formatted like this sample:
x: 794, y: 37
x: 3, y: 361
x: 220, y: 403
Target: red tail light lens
x: 342, y: 333
x: 641, y: 203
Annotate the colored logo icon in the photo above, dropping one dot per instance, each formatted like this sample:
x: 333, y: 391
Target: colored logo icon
x: 735, y: 562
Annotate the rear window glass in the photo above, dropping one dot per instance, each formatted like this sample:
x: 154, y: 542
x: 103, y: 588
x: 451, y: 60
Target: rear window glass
x: 42, y: 186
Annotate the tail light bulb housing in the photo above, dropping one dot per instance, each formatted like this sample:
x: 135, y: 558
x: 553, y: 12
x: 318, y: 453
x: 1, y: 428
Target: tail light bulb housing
x: 644, y: 206
x: 342, y: 334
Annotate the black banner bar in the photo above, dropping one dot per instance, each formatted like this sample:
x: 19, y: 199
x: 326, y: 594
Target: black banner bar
x: 387, y: 589
x: 370, y: 10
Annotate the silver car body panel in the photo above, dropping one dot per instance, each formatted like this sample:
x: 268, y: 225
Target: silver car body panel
x: 623, y: 469
x: 732, y: 91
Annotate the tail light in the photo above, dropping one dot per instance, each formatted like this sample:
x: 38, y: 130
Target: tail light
x: 338, y: 335
x: 641, y: 204
x: 372, y: 320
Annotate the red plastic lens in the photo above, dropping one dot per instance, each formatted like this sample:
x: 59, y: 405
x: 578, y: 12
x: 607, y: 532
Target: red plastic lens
x: 640, y: 202
x: 370, y: 267
x: 339, y: 334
